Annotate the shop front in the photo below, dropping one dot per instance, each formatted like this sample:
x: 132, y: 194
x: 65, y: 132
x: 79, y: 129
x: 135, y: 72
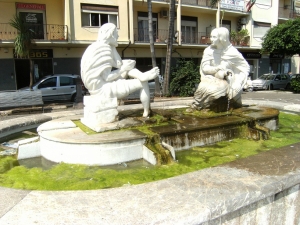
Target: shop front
x: 253, y: 60
x: 42, y: 66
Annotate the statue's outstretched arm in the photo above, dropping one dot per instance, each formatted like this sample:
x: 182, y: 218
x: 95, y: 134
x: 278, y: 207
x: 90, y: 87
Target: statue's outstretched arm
x: 109, y: 75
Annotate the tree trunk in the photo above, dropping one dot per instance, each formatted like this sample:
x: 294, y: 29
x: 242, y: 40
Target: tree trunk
x: 169, y: 48
x: 152, y: 50
x: 31, y: 74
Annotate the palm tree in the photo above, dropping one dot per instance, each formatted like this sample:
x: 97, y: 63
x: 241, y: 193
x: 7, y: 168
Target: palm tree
x: 152, y: 50
x: 23, y: 41
x: 169, y: 47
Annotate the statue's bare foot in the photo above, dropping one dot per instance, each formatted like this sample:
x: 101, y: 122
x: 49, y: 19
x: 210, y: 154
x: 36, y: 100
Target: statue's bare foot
x: 146, y: 113
x: 150, y: 75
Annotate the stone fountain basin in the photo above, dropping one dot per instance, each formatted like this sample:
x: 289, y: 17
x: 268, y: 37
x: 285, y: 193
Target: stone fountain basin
x: 62, y: 141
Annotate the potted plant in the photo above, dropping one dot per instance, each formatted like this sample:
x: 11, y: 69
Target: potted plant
x: 233, y: 37
x: 239, y: 37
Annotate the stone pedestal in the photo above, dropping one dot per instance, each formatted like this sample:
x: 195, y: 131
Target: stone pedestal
x: 99, y: 113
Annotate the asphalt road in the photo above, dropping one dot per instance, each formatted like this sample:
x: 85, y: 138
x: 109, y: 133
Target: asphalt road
x: 275, y: 95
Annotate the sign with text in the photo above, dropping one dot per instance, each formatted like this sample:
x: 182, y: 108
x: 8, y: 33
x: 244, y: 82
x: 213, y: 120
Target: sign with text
x: 31, y: 6
x: 251, y: 55
x: 276, y: 56
x: 40, y: 53
x: 232, y: 4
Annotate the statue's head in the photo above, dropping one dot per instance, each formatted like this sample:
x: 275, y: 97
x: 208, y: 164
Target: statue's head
x: 108, y: 34
x: 220, y: 37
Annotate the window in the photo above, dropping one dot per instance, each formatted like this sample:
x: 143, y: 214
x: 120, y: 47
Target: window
x: 66, y: 81
x: 226, y: 24
x: 51, y: 82
x: 143, y: 26
x: 264, y: 2
x: 189, y: 29
x: 260, y: 29
x: 284, y: 77
x: 97, y: 15
x: 34, y: 17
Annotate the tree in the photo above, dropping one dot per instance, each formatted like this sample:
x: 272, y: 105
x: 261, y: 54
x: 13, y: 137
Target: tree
x: 184, y: 78
x: 152, y: 49
x: 169, y: 47
x: 23, y: 41
x: 283, y: 38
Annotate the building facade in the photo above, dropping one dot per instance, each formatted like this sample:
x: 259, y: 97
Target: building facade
x: 62, y: 30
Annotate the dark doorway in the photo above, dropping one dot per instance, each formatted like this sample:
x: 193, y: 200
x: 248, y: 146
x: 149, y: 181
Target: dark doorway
x: 22, y: 68
x: 41, y: 68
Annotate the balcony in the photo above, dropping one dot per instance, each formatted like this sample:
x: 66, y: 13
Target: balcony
x: 40, y: 32
x: 187, y: 38
x: 288, y: 13
x: 240, y: 6
x: 142, y: 36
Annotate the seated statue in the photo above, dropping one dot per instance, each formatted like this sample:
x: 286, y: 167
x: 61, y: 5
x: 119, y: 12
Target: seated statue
x: 103, y: 73
x: 223, y: 70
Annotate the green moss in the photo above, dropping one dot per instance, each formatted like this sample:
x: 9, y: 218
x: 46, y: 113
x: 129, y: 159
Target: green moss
x: 84, y: 128
x: 77, y: 177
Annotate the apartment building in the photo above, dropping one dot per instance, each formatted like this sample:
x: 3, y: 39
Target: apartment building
x: 64, y: 28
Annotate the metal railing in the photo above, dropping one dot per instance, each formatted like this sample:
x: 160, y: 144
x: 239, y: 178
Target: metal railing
x: 40, y: 32
x: 187, y: 38
x: 288, y: 13
x: 161, y: 36
x: 206, y: 3
x: 142, y: 35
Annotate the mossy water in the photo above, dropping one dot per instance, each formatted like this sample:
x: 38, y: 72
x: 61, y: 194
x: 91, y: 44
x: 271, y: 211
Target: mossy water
x: 77, y: 177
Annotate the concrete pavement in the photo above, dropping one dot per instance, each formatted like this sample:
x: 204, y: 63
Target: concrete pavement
x: 241, y: 192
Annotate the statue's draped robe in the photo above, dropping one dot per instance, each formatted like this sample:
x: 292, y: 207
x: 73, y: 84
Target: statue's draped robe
x: 97, y: 62
x: 212, y: 88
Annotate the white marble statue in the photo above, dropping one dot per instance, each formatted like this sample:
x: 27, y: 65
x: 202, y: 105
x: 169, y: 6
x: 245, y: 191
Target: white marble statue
x: 223, y: 70
x: 103, y: 73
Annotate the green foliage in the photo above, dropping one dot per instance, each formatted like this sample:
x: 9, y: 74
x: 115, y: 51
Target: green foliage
x: 213, y: 3
x: 295, y: 84
x: 239, y: 36
x: 7, y: 163
x: 24, y: 37
x: 184, y: 78
x: 283, y: 38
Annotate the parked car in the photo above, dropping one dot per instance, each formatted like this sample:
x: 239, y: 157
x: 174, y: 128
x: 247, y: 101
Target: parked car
x: 136, y: 95
x: 272, y: 81
x: 295, y: 76
x: 56, y: 87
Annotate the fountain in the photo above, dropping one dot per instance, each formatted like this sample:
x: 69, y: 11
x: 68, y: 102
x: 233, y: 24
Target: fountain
x: 117, y: 136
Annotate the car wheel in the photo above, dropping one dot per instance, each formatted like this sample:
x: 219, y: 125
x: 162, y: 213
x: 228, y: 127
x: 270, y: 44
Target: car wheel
x: 74, y: 98
x: 288, y: 87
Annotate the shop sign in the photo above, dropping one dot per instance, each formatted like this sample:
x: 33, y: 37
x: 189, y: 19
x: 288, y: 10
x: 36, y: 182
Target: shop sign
x: 276, y: 56
x: 40, y: 53
x: 232, y: 4
x: 31, y: 6
x: 251, y: 55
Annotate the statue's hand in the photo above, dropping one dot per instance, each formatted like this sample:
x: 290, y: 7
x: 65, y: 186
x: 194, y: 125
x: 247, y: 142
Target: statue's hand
x: 127, y: 65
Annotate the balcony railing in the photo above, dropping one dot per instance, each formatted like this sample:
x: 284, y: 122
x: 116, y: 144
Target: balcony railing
x: 288, y: 13
x: 142, y: 35
x: 40, y: 32
x: 206, y: 3
x: 188, y: 38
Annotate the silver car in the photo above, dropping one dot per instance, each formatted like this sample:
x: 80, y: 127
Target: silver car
x: 272, y: 81
x: 57, y: 87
